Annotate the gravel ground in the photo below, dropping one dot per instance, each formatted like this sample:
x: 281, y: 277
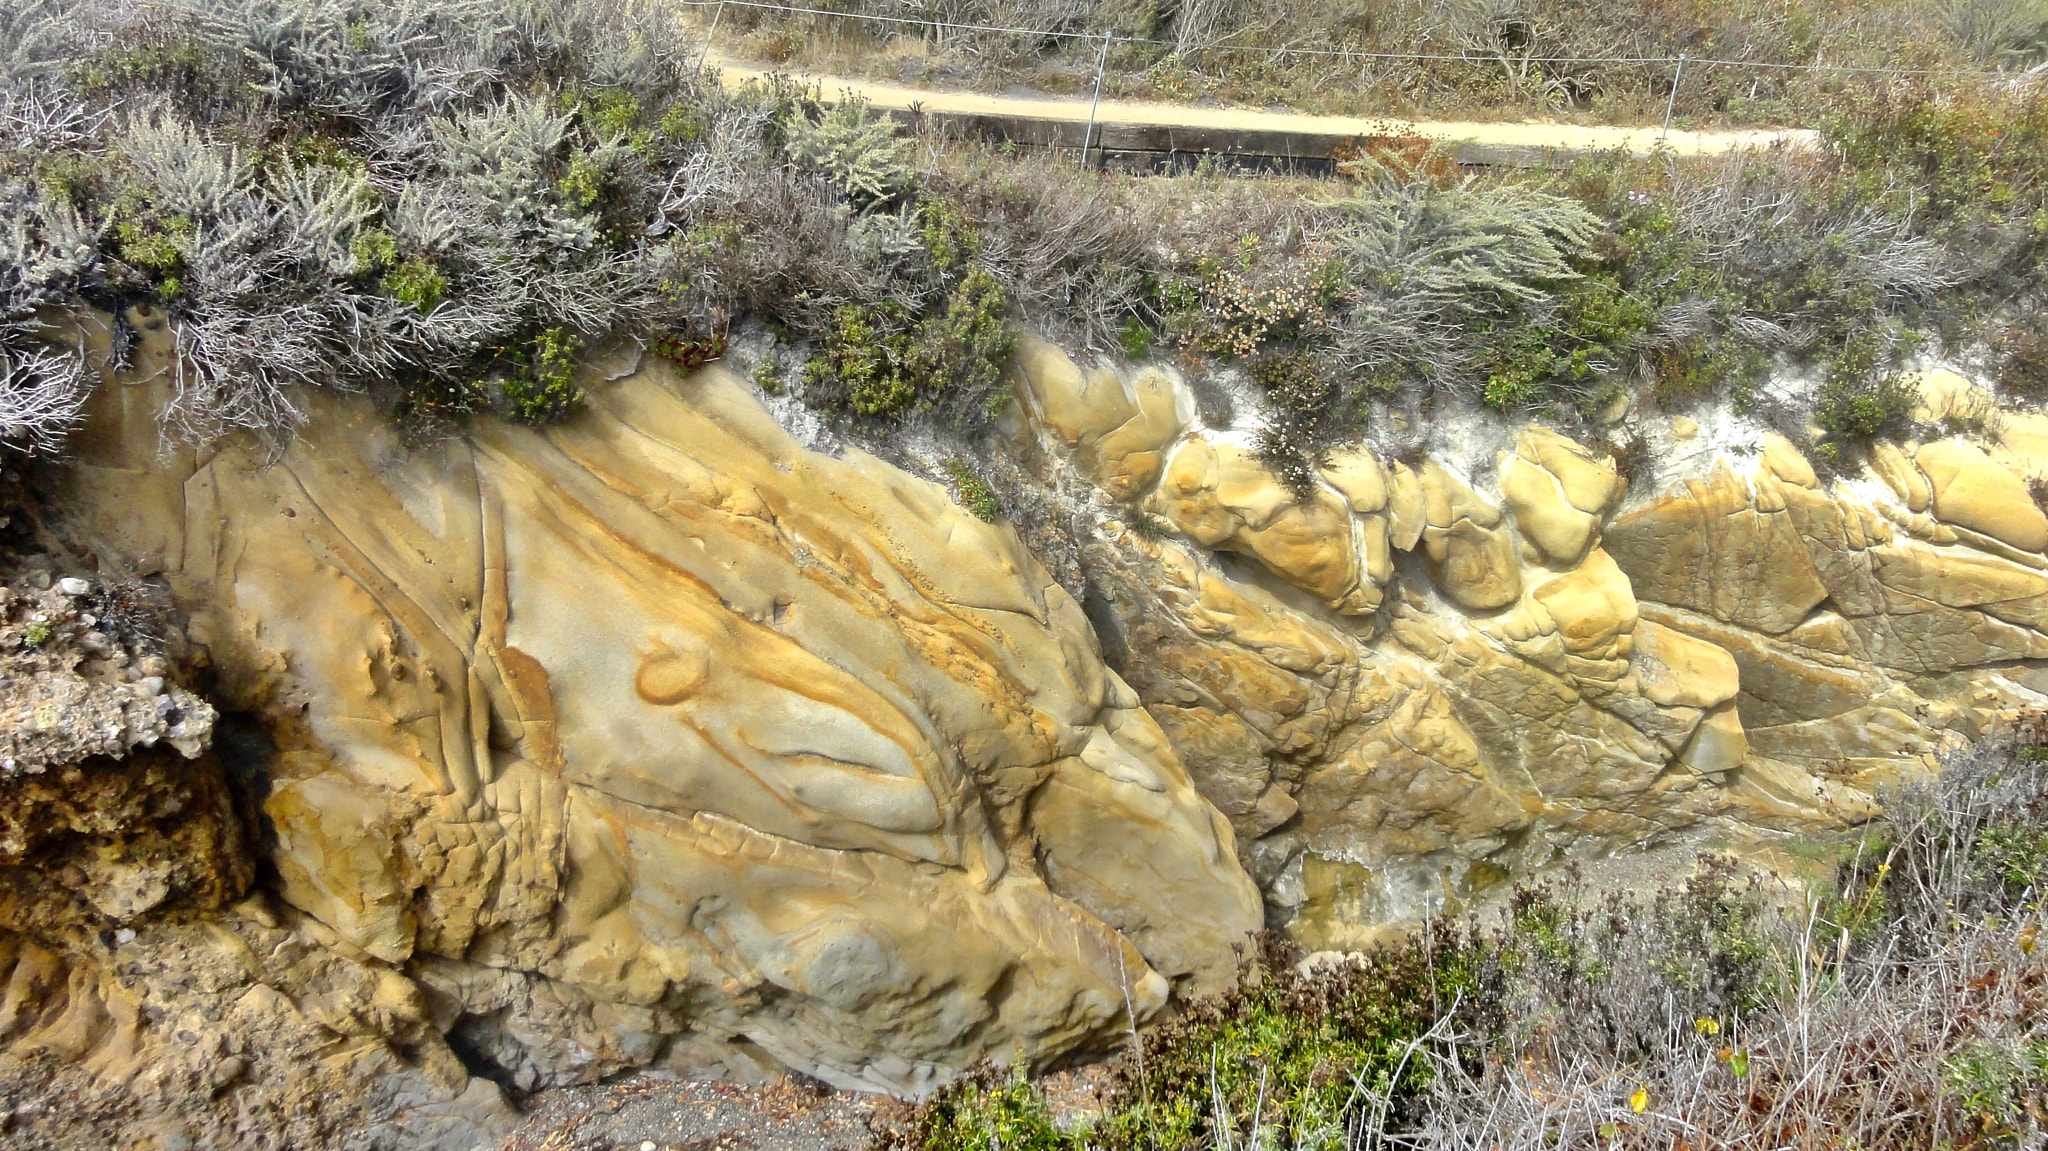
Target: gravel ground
x: 654, y: 1112
x: 667, y: 1114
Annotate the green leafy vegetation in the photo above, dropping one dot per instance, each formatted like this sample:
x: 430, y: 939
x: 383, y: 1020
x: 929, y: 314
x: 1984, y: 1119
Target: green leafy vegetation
x: 484, y: 190
x: 533, y: 174
x: 546, y: 390
x: 975, y: 494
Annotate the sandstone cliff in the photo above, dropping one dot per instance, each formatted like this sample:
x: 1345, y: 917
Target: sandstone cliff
x: 658, y: 738
x: 1439, y: 670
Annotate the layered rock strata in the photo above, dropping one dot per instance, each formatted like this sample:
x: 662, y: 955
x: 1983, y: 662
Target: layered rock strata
x: 655, y: 738
x: 1408, y: 684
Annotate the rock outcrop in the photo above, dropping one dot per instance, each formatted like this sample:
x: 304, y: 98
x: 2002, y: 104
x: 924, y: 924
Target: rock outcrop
x: 1474, y: 686
x: 655, y: 738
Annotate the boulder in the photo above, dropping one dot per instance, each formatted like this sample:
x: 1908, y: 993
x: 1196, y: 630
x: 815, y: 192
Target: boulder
x: 1471, y: 556
x: 1120, y: 424
x: 1719, y: 745
x: 1786, y: 462
x: 1592, y: 604
x: 1677, y: 670
x: 1475, y: 566
x: 1559, y: 492
x: 1716, y: 550
x: 1406, y: 514
x: 1360, y: 478
x: 1222, y: 496
x: 1971, y: 491
x: 1902, y: 475
x: 1944, y: 394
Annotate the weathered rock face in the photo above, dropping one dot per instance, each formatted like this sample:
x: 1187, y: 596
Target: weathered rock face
x: 1744, y: 651
x: 656, y: 738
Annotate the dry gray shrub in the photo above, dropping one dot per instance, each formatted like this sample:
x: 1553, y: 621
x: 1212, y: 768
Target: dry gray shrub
x: 1905, y: 1009
x: 1430, y: 262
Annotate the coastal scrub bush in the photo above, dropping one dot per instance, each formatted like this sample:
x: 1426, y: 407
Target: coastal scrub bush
x: 939, y: 345
x: 857, y: 151
x: 1856, y: 408
x: 443, y: 204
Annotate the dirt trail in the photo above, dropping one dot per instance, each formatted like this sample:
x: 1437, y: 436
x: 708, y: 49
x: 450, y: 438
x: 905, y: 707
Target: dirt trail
x: 1566, y: 137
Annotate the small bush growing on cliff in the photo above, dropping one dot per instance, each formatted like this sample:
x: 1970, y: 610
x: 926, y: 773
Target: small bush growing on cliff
x: 940, y: 347
x: 975, y: 494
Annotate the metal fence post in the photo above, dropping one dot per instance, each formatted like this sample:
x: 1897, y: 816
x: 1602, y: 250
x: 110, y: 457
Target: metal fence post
x: 1101, y: 66
x: 1673, y: 102
x: 715, y: 17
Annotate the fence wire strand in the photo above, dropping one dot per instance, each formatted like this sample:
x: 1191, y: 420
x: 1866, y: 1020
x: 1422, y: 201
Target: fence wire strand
x: 1053, y: 33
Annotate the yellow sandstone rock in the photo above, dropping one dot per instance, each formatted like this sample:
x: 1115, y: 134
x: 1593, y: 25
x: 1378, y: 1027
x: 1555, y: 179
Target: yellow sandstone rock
x: 1359, y: 476
x: 1593, y: 606
x: 1471, y: 557
x: 657, y: 708
x: 1719, y: 745
x: 1785, y: 461
x: 1902, y: 475
x: 1677, y: 670
x: 1222, y: 496
x: 1119, y: 425
x: 1560, y: 494
x: 1475, y: 566
x: 1406, y: 513
x: 1971, y: 491
x: 1947, y: 395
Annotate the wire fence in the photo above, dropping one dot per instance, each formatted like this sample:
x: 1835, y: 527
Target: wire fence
x: 2037, y: 71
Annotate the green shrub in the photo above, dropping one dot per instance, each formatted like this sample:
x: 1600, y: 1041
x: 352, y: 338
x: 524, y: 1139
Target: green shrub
x: 1251, y: 296
x: 583, y: 184
x: 883, y: 363
x: 982, y: 1111
x: 2023, y: 368
x: 416, y: 283
x: 156, y: 247
x: 1136, y: 338
x: 374, y: 249
x: 1964, y: 153
x: 975, y: 494
x: 545, y: 392
x: 35, y: 634
x: 854, y: 148
x: 950, y: 242
x: 690, y: 352
x: 1853, y: 409
x: 1998, y: 1083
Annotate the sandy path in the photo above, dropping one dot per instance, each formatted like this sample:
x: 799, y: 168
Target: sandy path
x: 1570, y: 137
